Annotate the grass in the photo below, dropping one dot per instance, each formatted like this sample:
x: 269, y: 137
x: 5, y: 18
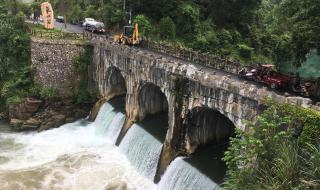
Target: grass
x: 39, y: 27
x: 38, y: 30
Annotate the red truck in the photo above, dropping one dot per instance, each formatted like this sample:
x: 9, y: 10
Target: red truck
x: 273, y: 79
x: 266, y: 75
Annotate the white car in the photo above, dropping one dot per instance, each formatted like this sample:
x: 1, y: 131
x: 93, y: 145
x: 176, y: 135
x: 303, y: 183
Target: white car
x: 88, y: 21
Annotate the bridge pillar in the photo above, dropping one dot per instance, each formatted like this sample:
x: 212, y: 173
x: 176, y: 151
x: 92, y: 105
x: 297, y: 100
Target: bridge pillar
x: 175, y: 139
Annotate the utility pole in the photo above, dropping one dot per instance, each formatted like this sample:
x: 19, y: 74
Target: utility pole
x: 130, y: 13
x: 124, y: 5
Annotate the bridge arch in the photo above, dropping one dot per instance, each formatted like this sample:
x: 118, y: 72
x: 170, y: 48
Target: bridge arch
x: 207, y: 126
x: 114, y: 83
x: 151, y: 101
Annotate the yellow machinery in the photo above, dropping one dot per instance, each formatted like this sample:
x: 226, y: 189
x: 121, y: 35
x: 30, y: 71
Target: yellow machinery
x: 130, y: 35
x: 47, y: 15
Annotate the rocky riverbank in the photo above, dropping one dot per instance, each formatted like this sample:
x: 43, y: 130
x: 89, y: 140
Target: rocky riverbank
x: 36, y: 114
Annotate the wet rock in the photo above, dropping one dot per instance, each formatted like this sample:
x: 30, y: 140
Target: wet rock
x: 53, y: 122
x: 16, y: 122
x: 70, y: 119
x: 33, y: 122
x: 25, y: 109
x: 25, y: 127
x: 117, y: 186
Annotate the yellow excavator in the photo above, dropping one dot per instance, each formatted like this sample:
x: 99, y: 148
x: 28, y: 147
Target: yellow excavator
x: 130, y: 35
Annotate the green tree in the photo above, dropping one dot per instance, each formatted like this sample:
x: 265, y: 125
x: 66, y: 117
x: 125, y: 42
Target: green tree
x: 303, y: 17
x: 144, y: 25
x: 76, y: 13
x: 64, y: 7
x: 167, y: 28
x: 90, y: 12
x: 188, y: 19
x: 15, y: 76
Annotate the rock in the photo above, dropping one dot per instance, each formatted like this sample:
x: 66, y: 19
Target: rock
x: 33, y: 122
x: 53, y: 122
x: 70, y: 119
x: 28, y: 127
x: 16, y: 122
x: 25, y: 109
x: 33, y: 104
x: 117, y: 186
x: 95, y: 109
x: 286, y: 94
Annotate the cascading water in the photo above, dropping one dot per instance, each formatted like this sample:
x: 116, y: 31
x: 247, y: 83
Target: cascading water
x: 180, y: 175
x: 75, y: 156
x: 143, y: 150
x: 109, y: 122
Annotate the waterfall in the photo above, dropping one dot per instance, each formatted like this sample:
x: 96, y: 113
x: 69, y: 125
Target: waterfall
x: 180, y: 175
x: 109, y: 122
x: 114, y: 129
x: 142, y: 149
x: 75, y: 156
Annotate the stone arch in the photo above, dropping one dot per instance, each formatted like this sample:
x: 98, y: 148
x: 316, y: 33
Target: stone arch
x: 206, y: 125
x: 151, y: 101
x: 115, y: 84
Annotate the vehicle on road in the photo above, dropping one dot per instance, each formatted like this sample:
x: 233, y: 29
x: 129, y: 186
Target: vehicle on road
x: 60, y: 19
x: 273, y: 79
x: 266, y: 75
x: 97, y: 28
x: 130, y: 35
x: 94, y: 26
x: 89, y: 21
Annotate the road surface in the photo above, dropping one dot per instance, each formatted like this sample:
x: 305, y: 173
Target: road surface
x: 60, y: 26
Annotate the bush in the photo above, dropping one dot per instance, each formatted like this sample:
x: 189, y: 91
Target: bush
x: 273, y: 153
x: 81, y: 64
x: 167, y: 28
x: 245, y: 51
x: 49, y: 93
x: 188, y: 19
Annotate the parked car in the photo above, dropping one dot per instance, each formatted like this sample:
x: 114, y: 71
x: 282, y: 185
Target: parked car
x: 93, y: 26
x: 97, y: 28
x: 60, y: 19
x: 88, y: 21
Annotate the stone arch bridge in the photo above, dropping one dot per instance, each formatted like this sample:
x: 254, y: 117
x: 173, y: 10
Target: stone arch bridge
x: 203, y: 105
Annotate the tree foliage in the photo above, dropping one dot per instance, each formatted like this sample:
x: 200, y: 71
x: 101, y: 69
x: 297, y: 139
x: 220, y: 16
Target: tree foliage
x: 167, y: 28
x: 14, y: 58
x: 251, y: 31
x: 144, y: 25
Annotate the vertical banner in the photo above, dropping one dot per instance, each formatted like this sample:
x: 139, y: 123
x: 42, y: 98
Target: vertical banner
x: 47, y: 15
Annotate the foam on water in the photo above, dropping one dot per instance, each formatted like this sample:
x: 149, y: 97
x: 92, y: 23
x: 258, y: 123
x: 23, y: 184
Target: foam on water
x: 75, y: 156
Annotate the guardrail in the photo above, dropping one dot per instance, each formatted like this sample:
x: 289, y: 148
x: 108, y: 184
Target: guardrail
x: 205, y: 59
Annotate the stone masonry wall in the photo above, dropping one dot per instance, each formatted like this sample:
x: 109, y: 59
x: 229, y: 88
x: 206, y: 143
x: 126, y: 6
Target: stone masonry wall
x: 52, y: 63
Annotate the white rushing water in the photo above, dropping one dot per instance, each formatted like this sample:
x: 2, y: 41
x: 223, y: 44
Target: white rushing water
x: 180, y: 175
x: 76, y: 156
x: 142, y: 149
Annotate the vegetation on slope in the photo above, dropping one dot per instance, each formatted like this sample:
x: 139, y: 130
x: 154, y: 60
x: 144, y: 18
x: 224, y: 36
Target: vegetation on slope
x: 252, y: 31
x: 280, y: 151
x: 15, y: 79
